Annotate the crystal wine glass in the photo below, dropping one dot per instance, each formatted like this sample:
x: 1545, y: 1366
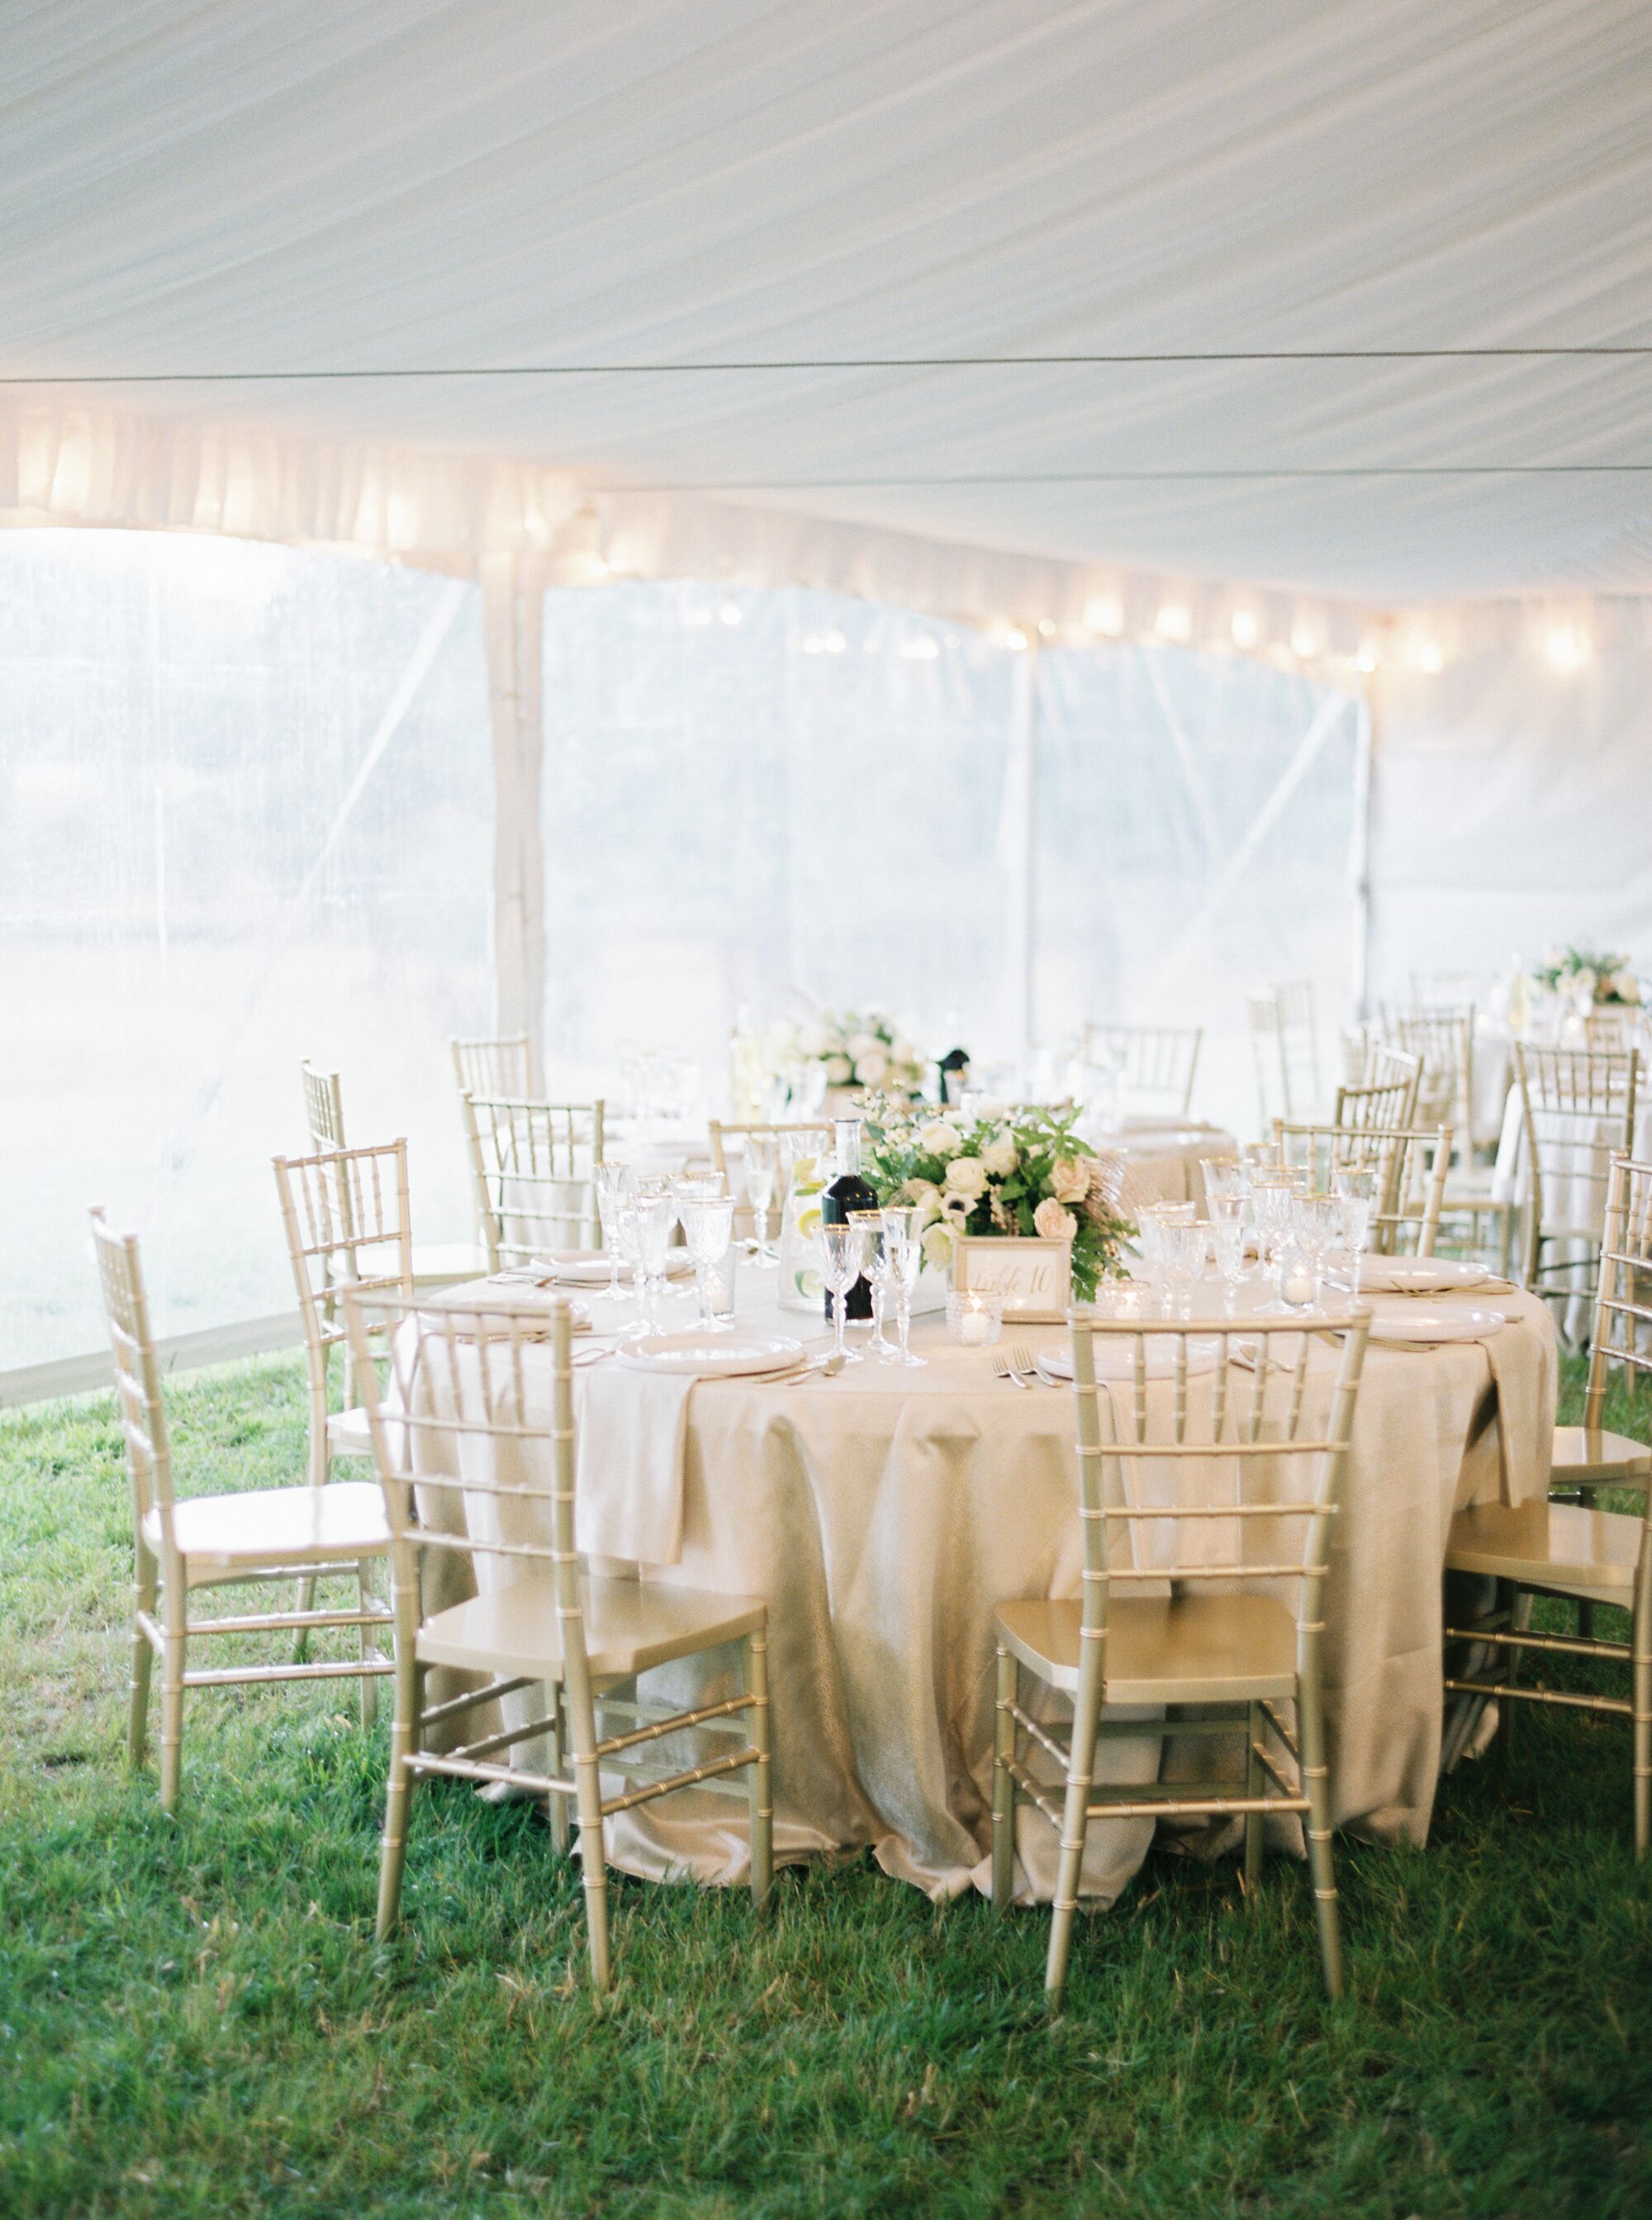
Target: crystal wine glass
x: 656, y: 1219
x: 707, y: 1224
x: 1355, y: 1191
x: 874, y: 1264
x: 840, y: 1250
x: 613, y: 1191
x: 762, y: 1167
x: 903, y: 1243
x: 1227, y: 1238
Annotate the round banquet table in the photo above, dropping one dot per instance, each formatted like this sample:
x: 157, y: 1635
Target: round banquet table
x: 884, y: 1513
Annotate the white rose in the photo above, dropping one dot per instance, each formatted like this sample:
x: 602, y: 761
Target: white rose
x: 993, y: 1113
x: 967, y: 1175
x: 1000, y: 1158
x: 902, y: 1052
x: 939, y: 1139
x: 860, y: 1045
x: 1625, y: 986
x: 838, y: 1071
x: 813, y: 1040
x: 1069, y: 1179
x: 1051, y: 1220
x: 922, y: 1194
x: 873, y: 1066
x: 937, y: 1248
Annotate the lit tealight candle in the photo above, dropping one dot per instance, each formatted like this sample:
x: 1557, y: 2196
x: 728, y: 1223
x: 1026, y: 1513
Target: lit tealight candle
x: 974, y: 1328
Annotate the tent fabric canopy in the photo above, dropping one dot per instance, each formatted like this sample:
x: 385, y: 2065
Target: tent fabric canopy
x: 305, y: 186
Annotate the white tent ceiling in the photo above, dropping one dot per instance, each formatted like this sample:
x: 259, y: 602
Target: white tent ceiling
x: 315, y: 185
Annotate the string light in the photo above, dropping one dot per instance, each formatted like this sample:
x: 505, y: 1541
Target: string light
x: 1046, y: 627
x: 1245, y: 628
x: 729, y: 611
x: 1106, y: 615
x: 1568, y: 647
x: 1015, y: 640
x: 1174, y: 621
x: 923, y: 649
x: 1306, y: 643
x: 834, y: 643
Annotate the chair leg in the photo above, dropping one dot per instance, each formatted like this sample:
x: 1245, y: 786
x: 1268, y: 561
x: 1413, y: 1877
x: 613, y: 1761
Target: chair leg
x: 1518, y: 1618
x: 1316, y: 1787
x: 369, y: 1648
x: 1003, y: 1783
x: 1254, y: 1784
x: 593, y: 1864
x: 759, y: 1786
x: 1081, y: 1770
x: 406, y: 1732
x: 556, y: 1806
x: 143, y: 1657
x: 1643, y: 1739
x: 174, y: 1647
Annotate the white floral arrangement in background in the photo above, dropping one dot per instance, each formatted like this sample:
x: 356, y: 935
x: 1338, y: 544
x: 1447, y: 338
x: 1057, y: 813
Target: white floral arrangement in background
x: 1591, y: 977
x: 1023, y: 1173
x: 860, y: 1049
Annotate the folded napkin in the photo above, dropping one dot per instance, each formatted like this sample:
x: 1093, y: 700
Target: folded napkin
x: 632, y: 1431
x: 508, y: 1292
x: 1522, y: 1361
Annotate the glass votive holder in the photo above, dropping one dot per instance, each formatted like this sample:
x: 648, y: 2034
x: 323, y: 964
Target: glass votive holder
x: 719, y: 1288
x: 1124, y: 1299
x: 975, y: 1318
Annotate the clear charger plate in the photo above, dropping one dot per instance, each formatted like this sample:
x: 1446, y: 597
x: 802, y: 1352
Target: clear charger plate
x: 713, y: 1355
x: 1116, y: 1359
x: 1424, y: 1327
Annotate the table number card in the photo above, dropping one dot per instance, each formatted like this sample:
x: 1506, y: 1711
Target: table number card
x: 1034, y: 1277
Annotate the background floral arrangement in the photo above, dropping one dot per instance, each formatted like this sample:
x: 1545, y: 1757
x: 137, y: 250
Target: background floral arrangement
x: 1022, y: 1172
x: 862, y: 1049
x: 1581, y: 971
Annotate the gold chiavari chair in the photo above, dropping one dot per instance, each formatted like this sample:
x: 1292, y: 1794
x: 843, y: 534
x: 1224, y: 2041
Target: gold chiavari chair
x: 1388, y: 1097
x: 1590, y: 1456
x: 1409, y: 1164
x: 501, y: 1067
x: 1284, y: 1037
x: 1244, y: 1469
x: 323, y: 1107
x: 473, y: 1413
x: 1569, y: 1550
x: 1577, y: 1112
x: 184, y: 1544
x: 346, y: 1216
x: 1156, y: 1063
x: 533, y: 1167
x: 1444, y: 1039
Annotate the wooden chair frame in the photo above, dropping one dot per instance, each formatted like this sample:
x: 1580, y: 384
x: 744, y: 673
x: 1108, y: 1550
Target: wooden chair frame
x: 524, y: 1154
x: 1158, y: 1060
x: 1285, y: 1039
x: 478, y: 1359
x: 323, y: 1107
x: 1444, y: 1039
x: 497, y: 1066
x: 1557, y: 1084
x: 1261, y: 1438
x: 1582, y: 1555
x: 254, y: 1542
x: 1387, y: 1099
x: 1411, y: 1163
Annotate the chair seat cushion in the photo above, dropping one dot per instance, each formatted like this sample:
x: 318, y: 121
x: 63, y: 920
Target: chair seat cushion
x: 279, y: 1525
x: 630, y: 1625
x: 348, y: 1434
x: 1581, y: 1454
x: 1590, y: 1554
x: 1175, y: 1649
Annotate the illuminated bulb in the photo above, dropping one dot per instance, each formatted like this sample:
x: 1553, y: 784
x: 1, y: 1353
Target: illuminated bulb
x: 1015, y: 640
x: 834, y: 643
x: 1427, y: 657
x: 1174, y: 621
x: 1567, y: 646
x: 1366, y: 660
x: 1245, y: 629
x: 730, y: 611
x: 1046, y: 627
x: 1106, y: 616
x: 921, y: 650
x: 1305, y: 641
x: 812, y: 644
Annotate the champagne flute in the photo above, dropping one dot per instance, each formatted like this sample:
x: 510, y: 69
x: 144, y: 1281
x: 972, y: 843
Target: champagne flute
x: 613, y: 1191
x: 656, y: 1219
x: 1227, y: 1238
x: 903, y: 1244
x: 1355, y: 1191
x: 762, y: 1167
x: 839, y: 1250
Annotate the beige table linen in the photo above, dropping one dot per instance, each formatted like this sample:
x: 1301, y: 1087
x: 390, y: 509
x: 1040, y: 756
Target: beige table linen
x: 884, y: 1516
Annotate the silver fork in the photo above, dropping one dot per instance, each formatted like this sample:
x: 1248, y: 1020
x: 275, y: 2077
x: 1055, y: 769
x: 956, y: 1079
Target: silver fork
x: 1015, y: 1364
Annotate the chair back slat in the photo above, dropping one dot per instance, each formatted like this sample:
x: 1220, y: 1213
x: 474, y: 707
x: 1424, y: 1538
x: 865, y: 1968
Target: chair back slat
x: 1156, y: 1465
x: 137, y: 1379
x: 501, y: 1065
x: 1409, y: 1165
x: 323, y: 1107
x: 1156, y: 1063
x: 1623, y: 1306
x: 1443, y: 1040
x: 1577, y: 1112
x: 1388, y: 1097
x: 1284, y: 1037
x: 533, y: 1167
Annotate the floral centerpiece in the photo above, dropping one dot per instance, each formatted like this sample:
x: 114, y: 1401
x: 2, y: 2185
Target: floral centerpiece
x: 860, y: 1049
x: 1590, y: 978
x: 1018, y: 1172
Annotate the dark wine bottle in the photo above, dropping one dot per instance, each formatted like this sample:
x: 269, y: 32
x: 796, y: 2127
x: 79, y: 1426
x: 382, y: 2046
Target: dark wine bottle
x: 953, y: 1073
x: 849, y: 1191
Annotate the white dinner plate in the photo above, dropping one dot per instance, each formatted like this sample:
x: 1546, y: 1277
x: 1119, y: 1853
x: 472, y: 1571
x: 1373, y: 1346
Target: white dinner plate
x: 1418, y: 1323
x: 1116, y: 1359
x: 712, y: 1356
x: 590, y: 1267
x: 1418, y: 1276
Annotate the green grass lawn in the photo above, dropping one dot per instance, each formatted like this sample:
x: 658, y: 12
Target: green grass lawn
x: 195, y: 2018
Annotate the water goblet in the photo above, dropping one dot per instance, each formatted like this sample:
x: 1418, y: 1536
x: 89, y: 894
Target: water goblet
x: 655, y: 1219
x: 903, y: 1243
x: 839, y: 1251
x: 707, y: 1224
x: 876, y: 1265
x: 761, y: 1169
x: 1182, y: 1261
x: 1227, y: 1238
x: 1355, y: 1187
